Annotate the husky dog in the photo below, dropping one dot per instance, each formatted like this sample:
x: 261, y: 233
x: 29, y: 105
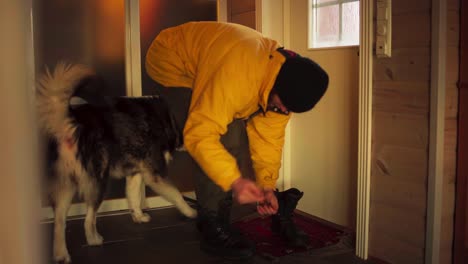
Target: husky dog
x: 130, y: 138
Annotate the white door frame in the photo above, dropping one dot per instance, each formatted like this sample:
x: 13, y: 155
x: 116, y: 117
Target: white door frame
x: 365, y: 127
x: 265, y: 8
x: 436, y: 131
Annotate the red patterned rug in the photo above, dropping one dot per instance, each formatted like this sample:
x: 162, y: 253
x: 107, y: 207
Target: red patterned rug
x: 270, y: 244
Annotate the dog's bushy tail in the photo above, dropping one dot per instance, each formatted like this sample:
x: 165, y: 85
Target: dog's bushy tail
x: 54, y: 91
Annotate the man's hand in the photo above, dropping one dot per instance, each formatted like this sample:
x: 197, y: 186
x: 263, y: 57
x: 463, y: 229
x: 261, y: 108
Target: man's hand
x: 245, y: 191
x: 269, y: 206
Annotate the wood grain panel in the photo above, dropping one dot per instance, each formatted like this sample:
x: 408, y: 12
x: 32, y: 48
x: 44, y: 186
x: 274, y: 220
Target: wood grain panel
x: 453, y: 65
x: 403, y: 195
x: 420, y: 57
x: 413, y: 6
x: 403, y: 164
x: 453, y: 28
x: 400, y: 223
x: 453, y: 5
x: 411, y: 29
x: 401, y: 129
x: 450, y: 166
x: 397, y: 100
x: 401, y: 72
x: 451, y: 101
x: 389, y: 243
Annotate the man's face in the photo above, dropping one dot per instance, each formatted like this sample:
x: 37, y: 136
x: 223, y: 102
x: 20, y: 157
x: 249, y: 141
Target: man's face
x: 275, y: 105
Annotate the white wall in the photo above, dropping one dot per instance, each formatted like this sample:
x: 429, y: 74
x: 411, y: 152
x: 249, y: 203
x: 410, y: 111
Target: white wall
x: 320, y: 154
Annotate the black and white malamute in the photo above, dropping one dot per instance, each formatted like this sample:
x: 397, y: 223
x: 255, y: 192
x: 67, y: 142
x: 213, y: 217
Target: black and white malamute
x: 125, y: 137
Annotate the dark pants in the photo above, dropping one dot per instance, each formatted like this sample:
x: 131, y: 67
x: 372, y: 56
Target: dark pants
x: 210, y: 195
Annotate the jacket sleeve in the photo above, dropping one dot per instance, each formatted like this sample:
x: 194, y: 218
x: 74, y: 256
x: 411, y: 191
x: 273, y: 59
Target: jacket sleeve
x: 266, y: 138
x: 211, y: 110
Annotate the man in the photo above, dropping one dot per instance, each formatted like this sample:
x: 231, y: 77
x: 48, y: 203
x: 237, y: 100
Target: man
x: 241, y: 82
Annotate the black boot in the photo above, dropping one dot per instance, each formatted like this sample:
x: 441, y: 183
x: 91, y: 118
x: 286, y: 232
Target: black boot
x: 282, y: 222
x: 218, y: 236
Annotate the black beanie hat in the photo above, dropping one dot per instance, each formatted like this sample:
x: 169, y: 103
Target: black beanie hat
x: 300, y: 82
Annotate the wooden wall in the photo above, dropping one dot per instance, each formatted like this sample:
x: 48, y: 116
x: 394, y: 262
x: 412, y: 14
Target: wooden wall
x: 401, y: 136
x: 401, y: 132
x: 242, y: 12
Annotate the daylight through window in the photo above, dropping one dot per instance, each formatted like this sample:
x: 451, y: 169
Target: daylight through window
x: 333, y: 23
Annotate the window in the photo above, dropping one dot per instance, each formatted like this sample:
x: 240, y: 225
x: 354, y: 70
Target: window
x: 333, y: 23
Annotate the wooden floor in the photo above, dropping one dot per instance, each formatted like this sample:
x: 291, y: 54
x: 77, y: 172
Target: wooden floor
x: 168, y: 238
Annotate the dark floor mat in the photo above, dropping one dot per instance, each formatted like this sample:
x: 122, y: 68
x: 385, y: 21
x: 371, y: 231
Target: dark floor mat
x: 269, y: 244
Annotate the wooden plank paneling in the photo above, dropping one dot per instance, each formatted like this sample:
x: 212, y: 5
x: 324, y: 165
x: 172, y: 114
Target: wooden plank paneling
x: 400, y: 137
x: 395, y: 99
x: 401, y: 130
x: 400, y: 134
x: 410, y: 56
x: 453, y: 5
x: 450, y: 143
x: 403, y: 164
x: 399, y: 223
x: 400, y: 194
x: 401, y: 72
x: 411, y: 29
x: 413, y: 6
x: 453, y: 28
x: 453, y: 65
x: 451, y: 101
x: 395, y: 236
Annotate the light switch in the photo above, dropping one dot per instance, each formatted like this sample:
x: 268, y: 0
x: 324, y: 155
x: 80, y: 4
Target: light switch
x: 384, y: 29
x: 382, y: 12
x: 381, y: 28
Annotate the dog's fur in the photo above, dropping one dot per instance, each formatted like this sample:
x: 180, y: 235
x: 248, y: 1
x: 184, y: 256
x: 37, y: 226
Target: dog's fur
x: 130, y: 138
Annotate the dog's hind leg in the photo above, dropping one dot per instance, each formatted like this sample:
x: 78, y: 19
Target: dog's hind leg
x: 93, y: 198
x: 170, y: 193
x: 62, y: 198
x: 133, y: 191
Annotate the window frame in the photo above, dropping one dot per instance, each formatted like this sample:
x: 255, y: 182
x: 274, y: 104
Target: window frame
x: 312, y: 24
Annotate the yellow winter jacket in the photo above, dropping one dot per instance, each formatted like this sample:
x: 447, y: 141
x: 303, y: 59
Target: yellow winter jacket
x: 231, y: 70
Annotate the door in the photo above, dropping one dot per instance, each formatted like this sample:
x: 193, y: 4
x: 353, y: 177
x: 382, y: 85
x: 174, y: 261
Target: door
x: 93, y: 33
x: 323, y: 142
x: 461, y: 210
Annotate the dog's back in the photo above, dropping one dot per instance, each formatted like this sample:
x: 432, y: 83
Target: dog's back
x: 127, y: 133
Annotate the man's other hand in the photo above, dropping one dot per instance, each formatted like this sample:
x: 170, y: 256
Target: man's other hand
x: 245, y: 191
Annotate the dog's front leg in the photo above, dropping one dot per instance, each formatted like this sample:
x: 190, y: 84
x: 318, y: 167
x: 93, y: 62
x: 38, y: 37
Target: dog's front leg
x: 133, y: 191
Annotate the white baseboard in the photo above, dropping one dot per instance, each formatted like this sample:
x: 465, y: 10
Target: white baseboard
x: 109, y: 206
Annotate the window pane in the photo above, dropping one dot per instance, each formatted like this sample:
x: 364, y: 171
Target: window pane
x: 90, y: 32
x: 325, y: 1
x: 328, y: 24
x: 351, y: 23
x: 334, y: 23
x: 158, y: 15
